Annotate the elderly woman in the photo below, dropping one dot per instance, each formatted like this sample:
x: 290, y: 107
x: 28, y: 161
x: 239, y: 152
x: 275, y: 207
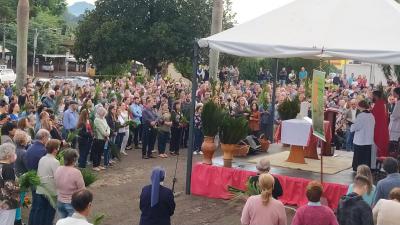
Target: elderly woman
x: 383, y: 212
x: 263, y: 208
x: 156, y: 201
x: 101, y: 135
x: 68, y: 180
x: 9, y: 189
x: 264, y: 166
x: 314, y: 213
x: 44, y: 213
x: 363, y: 128
x: 21, y: 140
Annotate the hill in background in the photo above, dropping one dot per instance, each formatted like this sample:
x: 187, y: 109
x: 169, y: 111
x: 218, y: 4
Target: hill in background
x: 79, y: 8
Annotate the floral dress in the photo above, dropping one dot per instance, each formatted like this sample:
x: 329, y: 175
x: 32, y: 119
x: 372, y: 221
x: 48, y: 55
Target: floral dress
x: 9, y: 189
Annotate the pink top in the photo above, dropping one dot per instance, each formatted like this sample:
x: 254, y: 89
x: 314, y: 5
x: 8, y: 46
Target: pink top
x: 255, y: 213
x: 314, y: 215
x: 68, y: 181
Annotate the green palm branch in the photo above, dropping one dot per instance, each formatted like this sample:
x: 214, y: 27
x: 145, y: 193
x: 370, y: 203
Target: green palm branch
x: 73, y: 135
x: 98, y: 219
x: 88, y: 177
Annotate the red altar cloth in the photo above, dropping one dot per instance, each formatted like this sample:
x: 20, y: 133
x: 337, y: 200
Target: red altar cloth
x: 212, y: 182
x: 312, y: 140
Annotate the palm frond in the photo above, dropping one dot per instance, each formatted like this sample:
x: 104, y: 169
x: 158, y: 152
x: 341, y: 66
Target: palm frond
x: 28, y: 180
x: 60, y: 157
x: 115, y: 151
x: 88, y: 177
x: 98, y: 219
x: 73, y: 135
x: 49, y: 195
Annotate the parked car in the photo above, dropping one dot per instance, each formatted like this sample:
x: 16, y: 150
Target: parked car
x: 48, y: 67
x: 7, y: 75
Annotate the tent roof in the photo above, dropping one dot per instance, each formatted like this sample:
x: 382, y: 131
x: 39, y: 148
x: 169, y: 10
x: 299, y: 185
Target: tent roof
x: 364, y: 30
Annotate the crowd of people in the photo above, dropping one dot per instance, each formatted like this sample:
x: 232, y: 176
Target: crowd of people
x: 104, y: 119
x: 364, y: 203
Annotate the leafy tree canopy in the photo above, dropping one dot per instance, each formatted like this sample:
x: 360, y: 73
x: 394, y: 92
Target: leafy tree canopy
x: 148, y: 31
x: 45, y: 15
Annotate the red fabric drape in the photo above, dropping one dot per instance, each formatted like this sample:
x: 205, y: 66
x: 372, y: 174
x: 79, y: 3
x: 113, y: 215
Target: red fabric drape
x: 381, y: 131
x: 212, y: 182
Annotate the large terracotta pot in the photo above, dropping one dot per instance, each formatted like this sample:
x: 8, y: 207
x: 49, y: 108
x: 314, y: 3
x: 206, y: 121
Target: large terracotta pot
x: 228, y: 150
x: 208, y: 148
x: 264, y: 144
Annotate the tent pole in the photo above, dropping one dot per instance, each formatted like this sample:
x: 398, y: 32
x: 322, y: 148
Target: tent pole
x: 273, y: 100
x: 191, y: 125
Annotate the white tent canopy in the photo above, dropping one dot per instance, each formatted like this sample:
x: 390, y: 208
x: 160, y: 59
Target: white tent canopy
x: 363, y: 30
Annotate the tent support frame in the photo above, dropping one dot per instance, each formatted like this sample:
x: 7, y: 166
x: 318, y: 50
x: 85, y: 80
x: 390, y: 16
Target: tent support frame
x: 273, y: 100
x: 191, y: 125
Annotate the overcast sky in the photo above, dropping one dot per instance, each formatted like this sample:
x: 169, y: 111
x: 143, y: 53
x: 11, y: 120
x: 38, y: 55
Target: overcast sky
x: 245, y: 9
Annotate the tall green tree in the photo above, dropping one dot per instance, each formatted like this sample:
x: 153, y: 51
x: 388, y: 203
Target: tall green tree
x: 149, y: 31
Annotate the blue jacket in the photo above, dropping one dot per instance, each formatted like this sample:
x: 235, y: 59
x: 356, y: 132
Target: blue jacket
x: 136, y: 112
x: 34, y: 153
x: 159, y: 214
x: 386, y: 185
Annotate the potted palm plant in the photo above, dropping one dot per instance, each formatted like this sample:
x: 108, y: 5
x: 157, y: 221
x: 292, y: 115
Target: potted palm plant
x: 211, y: 119
x: 232, y: 131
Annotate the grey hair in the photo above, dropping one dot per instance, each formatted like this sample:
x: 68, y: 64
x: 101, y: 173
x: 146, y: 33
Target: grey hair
x: 70, y: 156
x: 21, y: 138
x: 101, y: 112
x: 6, y: 149
x: 42, y: 133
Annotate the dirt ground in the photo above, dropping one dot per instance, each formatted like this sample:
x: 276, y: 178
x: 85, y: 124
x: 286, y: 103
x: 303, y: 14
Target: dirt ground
x: 117, y: 192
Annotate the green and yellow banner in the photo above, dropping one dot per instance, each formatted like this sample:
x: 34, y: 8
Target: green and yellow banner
x: 318, y: 105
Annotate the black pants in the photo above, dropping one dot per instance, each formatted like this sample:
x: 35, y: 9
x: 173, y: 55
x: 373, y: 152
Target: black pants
x: 84, y: 148
x: 97, y: 149
x: 185, y: 136
x: 362, y: 156
x: 148, y: 139
x: 176, y: 137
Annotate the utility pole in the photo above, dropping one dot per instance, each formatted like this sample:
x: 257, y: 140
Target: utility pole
x: 3, y: 53
x: 34, y: 51
x: 66, y: 63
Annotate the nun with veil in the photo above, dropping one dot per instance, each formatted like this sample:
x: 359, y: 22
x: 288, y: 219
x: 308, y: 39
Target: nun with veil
x: 156, y: 201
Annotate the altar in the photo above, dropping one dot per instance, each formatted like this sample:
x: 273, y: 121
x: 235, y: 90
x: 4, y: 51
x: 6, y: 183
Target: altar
x: 298, y: 133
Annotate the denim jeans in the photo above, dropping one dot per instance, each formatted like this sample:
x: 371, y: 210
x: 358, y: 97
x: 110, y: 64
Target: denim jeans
x: 118, y: 139
x: 64, y: 209
x: 42, y: 213
x: 163, y: 138
x: 282, y: 82
x: 106, y: 153
x: 349, y: 140
x: 198, y: 139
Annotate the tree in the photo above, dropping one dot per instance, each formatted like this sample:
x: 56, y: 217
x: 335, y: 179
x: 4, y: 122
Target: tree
x: 148, y: 31
x: 216, y: 27
x: 22, y: 41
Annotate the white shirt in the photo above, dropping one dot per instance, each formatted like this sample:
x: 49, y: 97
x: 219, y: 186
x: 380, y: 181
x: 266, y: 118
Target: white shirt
x: 353, y: 114
x: 75, y: 219
x: 364, y: 129
x: 47, y: 167
x: 122, y: 119
x: 394, y: 125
